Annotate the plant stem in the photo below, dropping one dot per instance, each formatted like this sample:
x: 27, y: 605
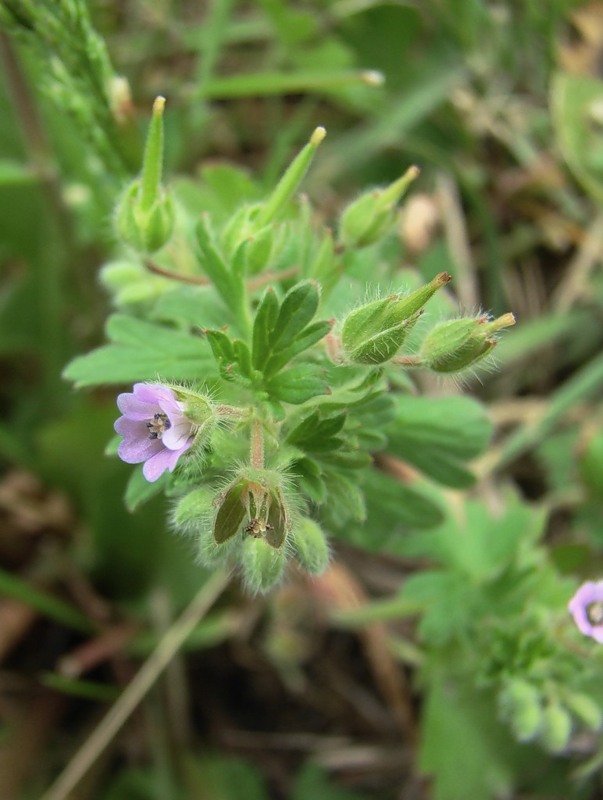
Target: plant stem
x: 167, y: 648
x: 257, y: 445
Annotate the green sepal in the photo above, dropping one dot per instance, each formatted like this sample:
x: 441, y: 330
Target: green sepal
x: 193, y: 509
x: 145, y: 230
x: 296, y: 385
x: 310, y: 546
x: 231, y: 513
x: 457, y: 344
x: 370, y: 217
x: 556, y: 727
x: 373, y: 333
x: 277, y: 522
x: 520, y: 704
x: 585, y: 708
x: 262, y: 564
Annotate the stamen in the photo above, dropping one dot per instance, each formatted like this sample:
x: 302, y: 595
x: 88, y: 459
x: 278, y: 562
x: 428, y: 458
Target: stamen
x: 158, y: 426
x: 594, y: 612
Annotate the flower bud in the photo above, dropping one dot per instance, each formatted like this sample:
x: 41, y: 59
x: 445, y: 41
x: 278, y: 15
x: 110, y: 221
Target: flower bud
x: 193, y: 510
x: 311, y: 548
x: 585, y: 709
x: 370, y: 217
x: 262, y: 565
x: 556, y: 727
x: 521, y: 706
x: 145, y: 215
x: 460, y: 343
x: 373, y: 333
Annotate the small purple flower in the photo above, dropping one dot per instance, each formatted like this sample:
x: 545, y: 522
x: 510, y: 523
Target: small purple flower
x: 154, y: 429
x: 586, y: 606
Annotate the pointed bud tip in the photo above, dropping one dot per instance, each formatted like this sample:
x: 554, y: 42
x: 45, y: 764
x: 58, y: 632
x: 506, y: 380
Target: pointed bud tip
x: 318, y: 135
x: 412, y: 173
x: 158, y: 105
x: 506, y: 321
x: 442, y: 278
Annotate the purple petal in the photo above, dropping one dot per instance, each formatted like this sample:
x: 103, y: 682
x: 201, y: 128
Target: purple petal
x: 589, y: 592
x: 159, y: 463
x: 172, y: 407
x: 132, y: 407
x: 153, y: 393
x: 133, y: 451
x: 179, y: 435
x: 131, y: 428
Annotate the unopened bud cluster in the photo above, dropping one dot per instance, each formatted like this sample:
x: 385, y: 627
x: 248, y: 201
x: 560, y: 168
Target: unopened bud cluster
x: 549, y: 717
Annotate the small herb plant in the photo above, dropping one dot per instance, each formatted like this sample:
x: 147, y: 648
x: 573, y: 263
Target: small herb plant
x: 265, y: 379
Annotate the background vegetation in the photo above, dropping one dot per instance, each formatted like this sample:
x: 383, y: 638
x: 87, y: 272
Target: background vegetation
x: 411, y: 668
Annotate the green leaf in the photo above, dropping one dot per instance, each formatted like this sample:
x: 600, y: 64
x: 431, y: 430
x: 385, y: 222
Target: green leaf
x: 141, y: 351
x: 263, y: 325
x: 199, y: 306
x: 309, y: 476
x: 296, y: 385
x: 214, y: 265
x: 139, y: 489
x: 463, y: 746
x: 312, y: 432
x: 297, y: 309
x: 309, y: 336
x: 477, y: 545
x: 437, y: 435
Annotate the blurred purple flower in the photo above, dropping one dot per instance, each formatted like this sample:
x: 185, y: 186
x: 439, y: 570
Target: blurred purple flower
x: 154, y: 429
x: 586, y: 606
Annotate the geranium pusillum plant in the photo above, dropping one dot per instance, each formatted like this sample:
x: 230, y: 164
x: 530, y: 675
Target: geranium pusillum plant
x: 261, y: 430
x: 586, y: 607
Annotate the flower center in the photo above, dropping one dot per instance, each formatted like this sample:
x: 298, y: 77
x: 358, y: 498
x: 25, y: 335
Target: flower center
x: 594, y: 612
x: 158, y: 426
x: 257, y: 527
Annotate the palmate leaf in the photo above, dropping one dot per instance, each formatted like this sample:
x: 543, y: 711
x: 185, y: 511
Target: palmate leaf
x: 141, y: 351
x: 283, y: 331
x: 296, y: 385
x: 437, y: 435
